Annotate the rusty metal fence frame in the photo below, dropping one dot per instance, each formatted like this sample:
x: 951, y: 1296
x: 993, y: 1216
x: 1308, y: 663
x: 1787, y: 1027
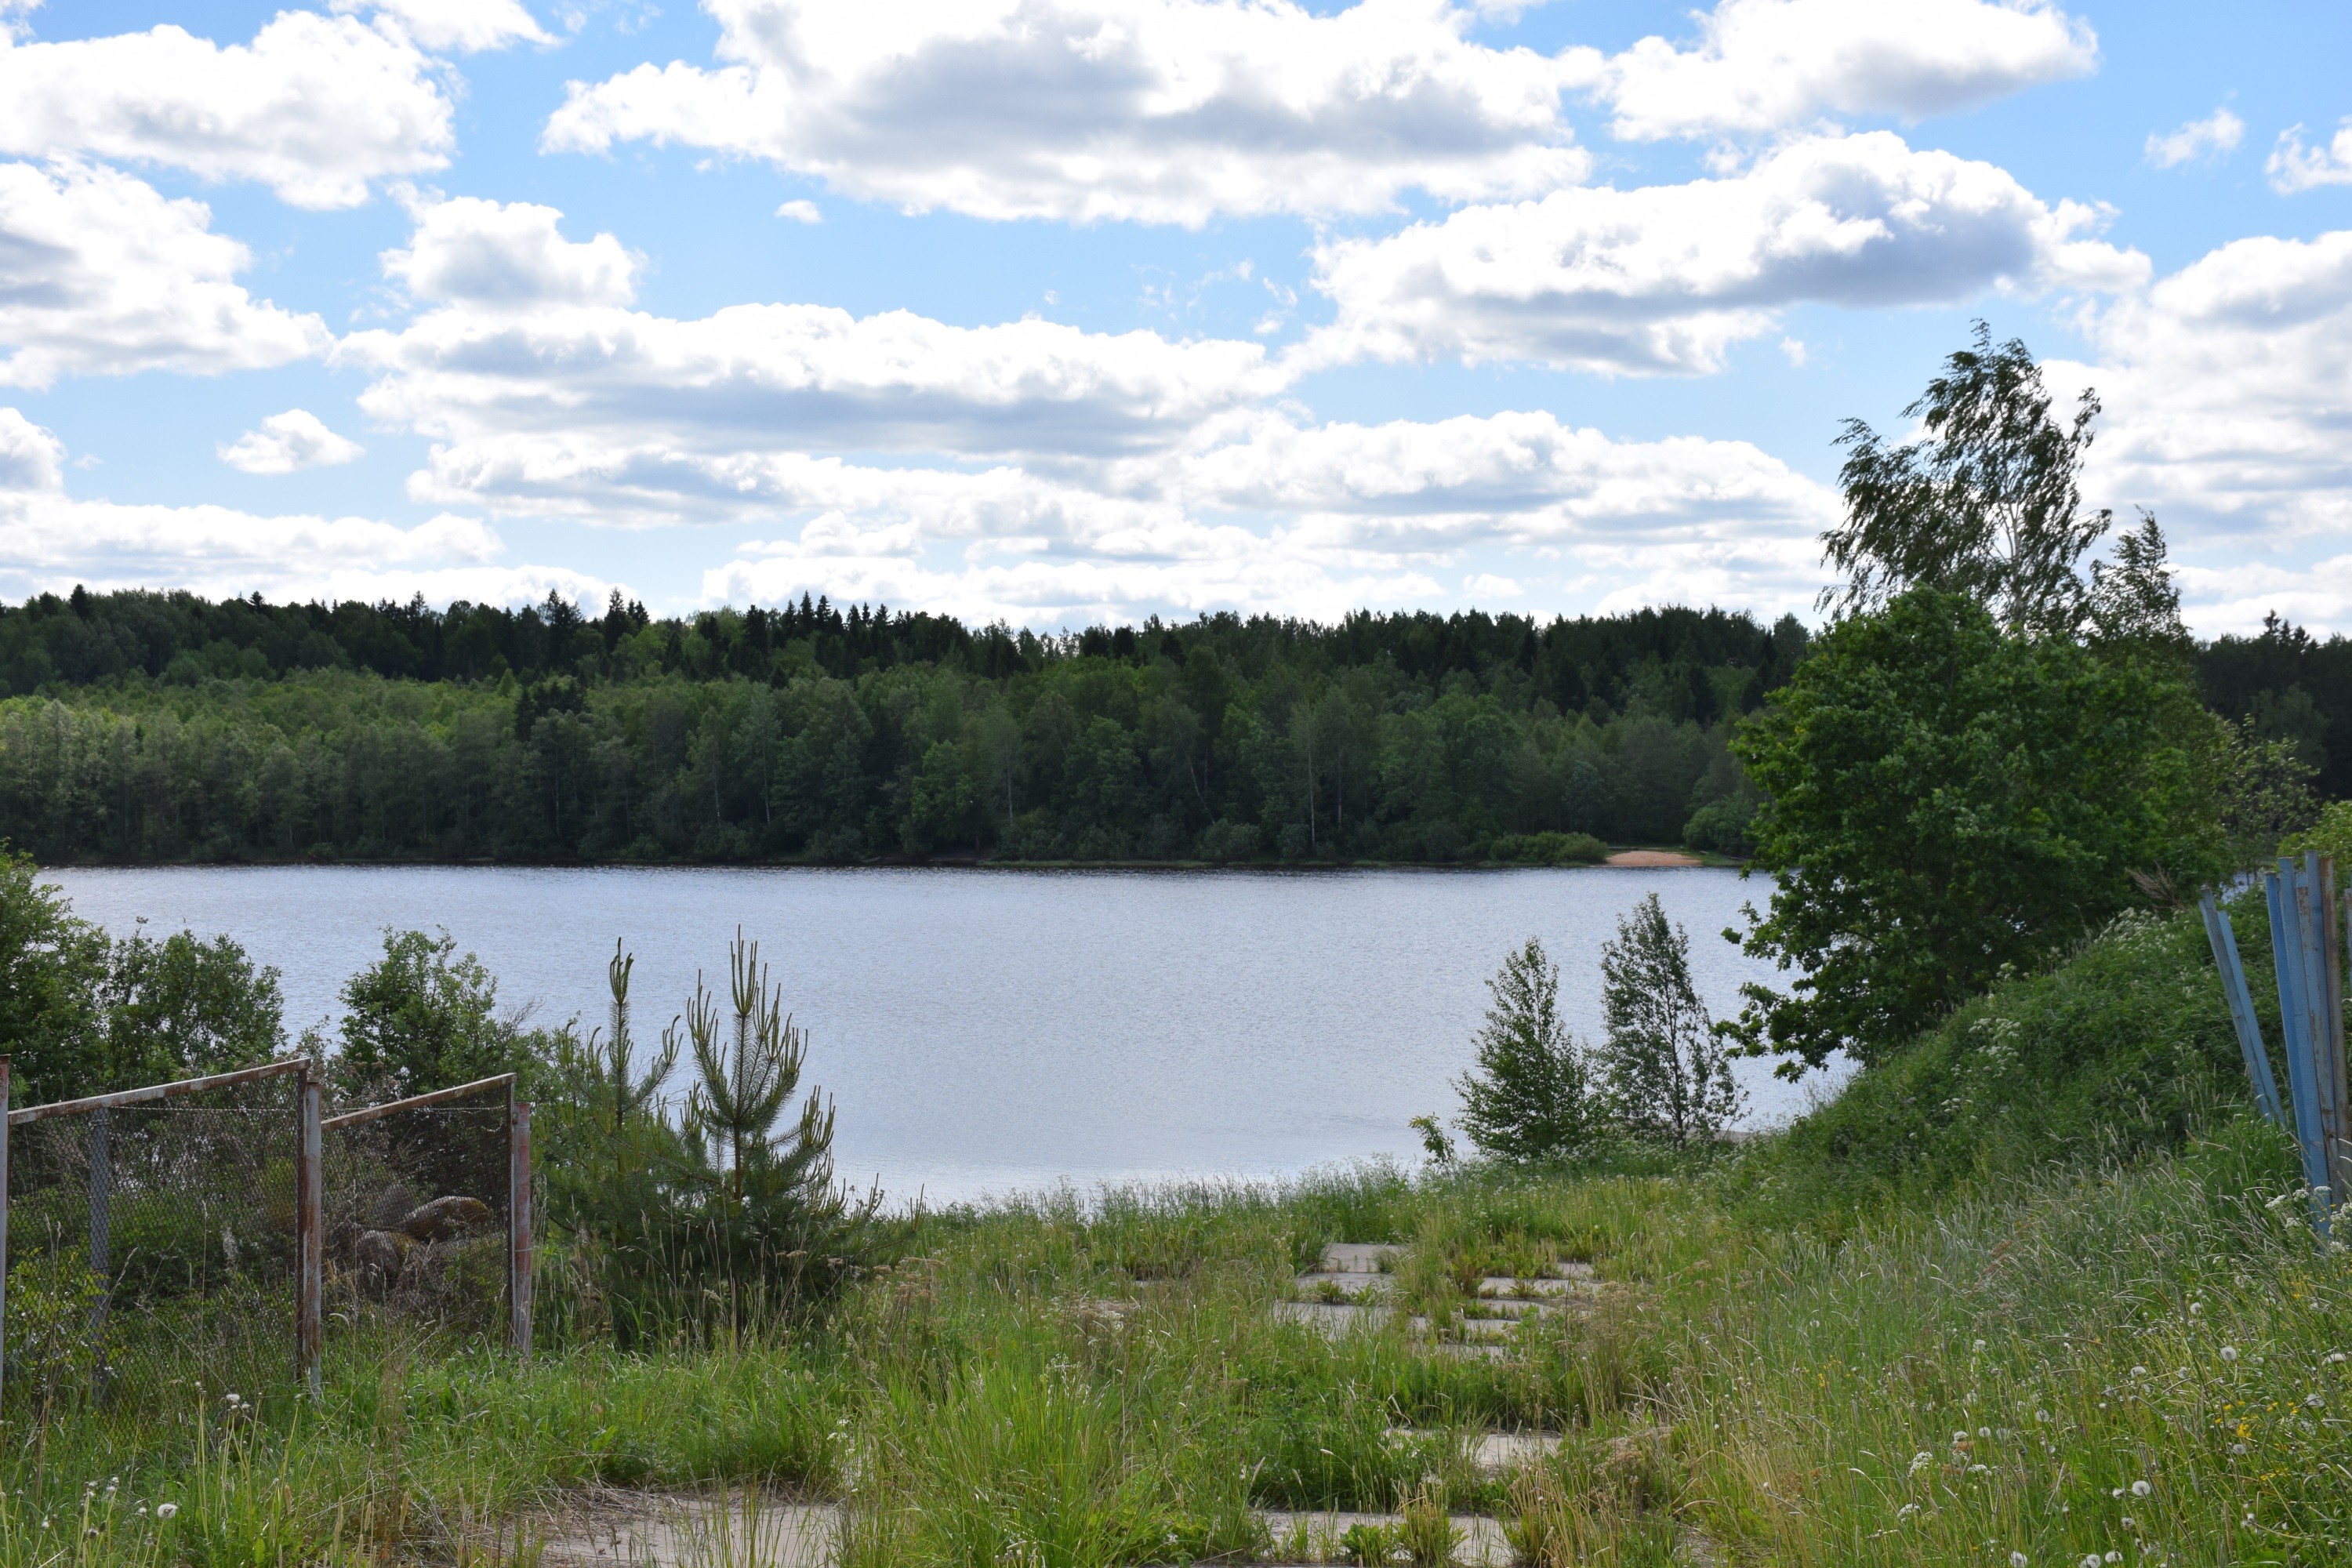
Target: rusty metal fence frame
x: 519, y: 1261
x: 311, y: 1126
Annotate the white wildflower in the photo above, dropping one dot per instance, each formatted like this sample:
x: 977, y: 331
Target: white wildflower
x: 2228, y: 1352
x: 1921, y: 1461
x: 2141, y: 1489
x: 2017, y: 1560
x: 166, y: 1509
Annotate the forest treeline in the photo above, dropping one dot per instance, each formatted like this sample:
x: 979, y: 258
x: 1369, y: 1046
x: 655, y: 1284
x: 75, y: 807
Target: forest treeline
x: 162, y: 726
x: 142, y: 726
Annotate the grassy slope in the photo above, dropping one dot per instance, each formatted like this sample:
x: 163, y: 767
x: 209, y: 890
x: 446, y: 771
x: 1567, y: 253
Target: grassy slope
x: 1966, y: 1312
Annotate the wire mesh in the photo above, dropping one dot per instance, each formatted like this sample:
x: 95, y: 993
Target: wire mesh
x: 415, y: 1210
x: 152, y: 1248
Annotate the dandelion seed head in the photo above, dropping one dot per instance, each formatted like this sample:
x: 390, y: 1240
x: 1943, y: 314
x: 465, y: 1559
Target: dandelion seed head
x: 2228, y: 1352
x: 2114, y: 1556
x: 2018, y: 1560
x: 2195, y: 1308
x: 1984, y: 1431
x: 2090, y: 1560
x: 2141, y: 1489
x: 2139, y: 1372
x: 166, y: 1509
x: 1979, y: 1346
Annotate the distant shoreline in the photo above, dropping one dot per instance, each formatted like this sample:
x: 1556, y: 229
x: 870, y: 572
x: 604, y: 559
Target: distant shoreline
x: 1634, y: 858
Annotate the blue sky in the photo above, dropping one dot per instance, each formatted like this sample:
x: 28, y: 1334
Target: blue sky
x: 1055, y: 311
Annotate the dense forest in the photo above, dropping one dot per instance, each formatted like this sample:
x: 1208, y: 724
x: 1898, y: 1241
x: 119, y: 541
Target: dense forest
x: 155, y: 726
x: 138, y: 726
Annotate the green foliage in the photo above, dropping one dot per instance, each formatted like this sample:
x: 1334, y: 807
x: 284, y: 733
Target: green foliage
x: 725, y: 1215
x: 183, y: 1006
x: 1549, y: 849
x: 52, y: 975
x: 81, y: 1016
x: 2290, y: 688
x: 1530, y: 1096
x: 1946, y: 800
x: 1984, y: 503
x: 1663, y: 1071
x: 810, y: 735
x: 2120, y: 1052
x: 421, y: 1018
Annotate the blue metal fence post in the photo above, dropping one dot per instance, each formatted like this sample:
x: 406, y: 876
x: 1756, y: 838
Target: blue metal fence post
x: 2294, y: 1027
x: 2224, y: 939
x: 2327, y: 1072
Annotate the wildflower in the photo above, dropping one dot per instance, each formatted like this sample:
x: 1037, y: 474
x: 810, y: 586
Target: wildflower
x: 2114, y: 1556
x: 2091, y: 1560
x: 166, y: 1509
x: 2237, y: 1448
x: 1980, y: 1346
x: 1959, y: 1439
x: 2141, y: 1489
x: 2042, y: 1416
x: 2195, y: 1308
x: 1984, y: 1431
x: 2336, y: 1359
x: 2139, y: 1372
x: 2129, y: 1523
x: 2228, y: 1352
x: 1980, y: 1469
x: 1921, y: 1461
x: 2017, y: 1560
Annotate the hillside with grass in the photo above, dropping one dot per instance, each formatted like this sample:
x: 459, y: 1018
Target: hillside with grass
x: 2044, y: 1302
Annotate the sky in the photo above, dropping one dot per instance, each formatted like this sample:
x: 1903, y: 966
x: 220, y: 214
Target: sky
x: 1058, y: 311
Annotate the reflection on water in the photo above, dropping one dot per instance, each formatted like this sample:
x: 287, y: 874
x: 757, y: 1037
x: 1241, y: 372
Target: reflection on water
x: 985, y: 1030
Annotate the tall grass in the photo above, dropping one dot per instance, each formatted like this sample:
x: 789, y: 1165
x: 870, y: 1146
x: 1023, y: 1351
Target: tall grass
x: 2092, y: 1332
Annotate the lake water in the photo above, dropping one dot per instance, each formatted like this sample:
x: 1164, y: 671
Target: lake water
x: 986, y: 1031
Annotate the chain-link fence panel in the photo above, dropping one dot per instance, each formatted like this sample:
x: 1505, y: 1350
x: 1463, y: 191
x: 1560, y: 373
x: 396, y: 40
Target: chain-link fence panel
x: 153, y: 1248
x: 416, y: 1216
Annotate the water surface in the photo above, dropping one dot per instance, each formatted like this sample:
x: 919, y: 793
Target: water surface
x: 983, y: 1031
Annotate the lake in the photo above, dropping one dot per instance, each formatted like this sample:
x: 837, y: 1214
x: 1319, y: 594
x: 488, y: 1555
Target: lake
x: 985, y: 1031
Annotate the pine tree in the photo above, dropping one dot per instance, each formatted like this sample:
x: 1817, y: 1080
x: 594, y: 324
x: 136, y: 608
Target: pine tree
x: 1530, y: 1097
x: 1666, y: 1075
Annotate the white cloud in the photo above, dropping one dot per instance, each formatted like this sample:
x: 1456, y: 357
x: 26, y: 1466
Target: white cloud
x: 56, y: 540
x: 507, y: 255
x: 99, y: 274
x: 1663, y: 278
x: 1767, y: 65
x: 2236, y: 597
x: 2228, y: 388
x: 803, y: 375
x: 1155, y: 110
x: 801, y: 212
x: 287, y: 443
x: 31, y: 458
x: 315, y: 107
x: 460, y: 27
x: 2215, y: 136
x: 2294, y: 167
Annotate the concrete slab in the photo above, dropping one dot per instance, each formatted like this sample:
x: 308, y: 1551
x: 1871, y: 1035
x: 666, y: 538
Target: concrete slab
x: 1355, y: 1256
x: 621, y: 1529
x: 1483, y: 1545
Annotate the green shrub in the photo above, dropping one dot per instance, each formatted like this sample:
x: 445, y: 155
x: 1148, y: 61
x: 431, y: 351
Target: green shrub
x: 1548, y: 850
x: 2118, y: 1052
